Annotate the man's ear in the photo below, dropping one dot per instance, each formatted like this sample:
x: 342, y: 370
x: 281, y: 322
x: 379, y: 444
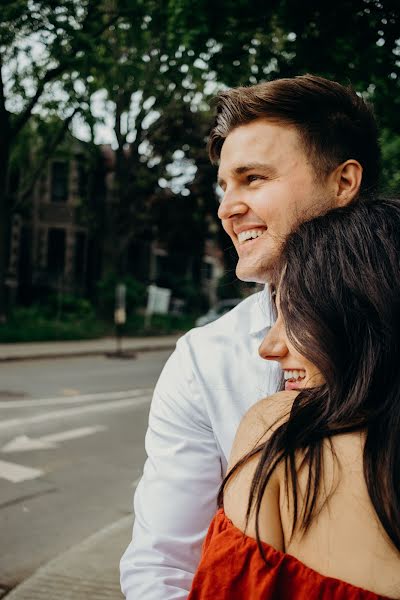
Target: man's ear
x: 347, y: 181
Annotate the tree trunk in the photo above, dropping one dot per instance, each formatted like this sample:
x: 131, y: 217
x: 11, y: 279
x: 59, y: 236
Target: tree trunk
x: 5, y: 215
x: 5, y: 212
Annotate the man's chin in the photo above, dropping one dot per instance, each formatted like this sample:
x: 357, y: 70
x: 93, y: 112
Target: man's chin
x: 251, y: 274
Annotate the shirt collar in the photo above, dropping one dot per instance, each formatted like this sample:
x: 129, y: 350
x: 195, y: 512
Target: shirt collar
x: 262, y: 317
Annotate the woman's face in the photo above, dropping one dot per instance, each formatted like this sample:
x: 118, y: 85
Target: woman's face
x: 298, y: 372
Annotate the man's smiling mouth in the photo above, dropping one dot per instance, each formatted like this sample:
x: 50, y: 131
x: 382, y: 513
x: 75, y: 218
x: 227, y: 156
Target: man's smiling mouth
x: 250, y: 234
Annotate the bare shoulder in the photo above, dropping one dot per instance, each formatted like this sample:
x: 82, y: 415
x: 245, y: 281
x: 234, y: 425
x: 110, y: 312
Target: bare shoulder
x: 259, y: 423
x: 255, y: 428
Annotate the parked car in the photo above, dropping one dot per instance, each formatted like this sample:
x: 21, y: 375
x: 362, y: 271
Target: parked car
x: 217, y: 311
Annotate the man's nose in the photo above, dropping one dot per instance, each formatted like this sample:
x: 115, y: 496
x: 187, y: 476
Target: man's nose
x: 273, y: 346
x: 232, y: 204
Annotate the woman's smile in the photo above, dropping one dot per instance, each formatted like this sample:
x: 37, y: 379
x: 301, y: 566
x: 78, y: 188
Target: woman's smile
x: 294, y: 378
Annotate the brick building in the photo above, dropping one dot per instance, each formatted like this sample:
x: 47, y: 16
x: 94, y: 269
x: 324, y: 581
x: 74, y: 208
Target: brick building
x: 53, y: 248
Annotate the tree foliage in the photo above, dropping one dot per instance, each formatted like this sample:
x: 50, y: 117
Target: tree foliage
x: 47, y: 52
x: 156, y: 66
x: 349, y: 40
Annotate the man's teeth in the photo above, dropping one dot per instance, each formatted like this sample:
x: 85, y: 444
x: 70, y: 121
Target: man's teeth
x: 300, y: 374
x: 249, y: 235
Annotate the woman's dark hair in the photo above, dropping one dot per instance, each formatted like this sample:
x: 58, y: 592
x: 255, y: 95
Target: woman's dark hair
x: 339, y: 296
x: 335, y: 124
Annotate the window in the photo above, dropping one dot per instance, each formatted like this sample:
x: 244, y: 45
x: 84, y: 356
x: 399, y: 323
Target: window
x: 56, y: 251
x: 80, y: 248
x: 59, y: 182
x: 82, y: 176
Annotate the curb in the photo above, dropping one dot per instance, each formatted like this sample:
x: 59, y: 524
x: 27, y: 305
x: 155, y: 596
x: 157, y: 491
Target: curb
x: 80, y: 348
x: 86, y: 571
x: 127, y: 353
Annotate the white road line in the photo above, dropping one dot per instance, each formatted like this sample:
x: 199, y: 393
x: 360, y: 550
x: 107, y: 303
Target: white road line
x: 71, y: 412
x: 17, y: 473
x: 72, y: 434
x: 23, y: 443
x: 74, y: 399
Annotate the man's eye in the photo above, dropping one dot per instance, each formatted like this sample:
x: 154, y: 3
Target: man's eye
x: 251, y: 178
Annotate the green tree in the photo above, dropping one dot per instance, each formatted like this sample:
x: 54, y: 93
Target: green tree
x: 184, y: 210
x: 143, y: 80
x: 47, y: 51
x: 390, y: 161
x: 355, y: 41
x: 252, y: 41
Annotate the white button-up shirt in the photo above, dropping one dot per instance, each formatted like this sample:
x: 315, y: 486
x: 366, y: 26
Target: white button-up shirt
x: 209, y: 382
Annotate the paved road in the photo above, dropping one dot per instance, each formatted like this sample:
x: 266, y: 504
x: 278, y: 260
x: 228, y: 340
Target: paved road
x: 71, y: 449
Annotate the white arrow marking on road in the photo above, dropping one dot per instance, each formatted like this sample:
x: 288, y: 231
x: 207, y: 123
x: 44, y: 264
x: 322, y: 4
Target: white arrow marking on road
x: 22, y: 443
x: 17, y: 473
x: 74, y: 399
x: 74, y: 412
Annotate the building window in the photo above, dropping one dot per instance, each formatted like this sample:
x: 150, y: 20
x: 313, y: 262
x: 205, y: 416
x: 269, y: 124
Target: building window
x: 82, y: 175
x: 80, y: 256
x: 56, y: 251
x: 59, y: 182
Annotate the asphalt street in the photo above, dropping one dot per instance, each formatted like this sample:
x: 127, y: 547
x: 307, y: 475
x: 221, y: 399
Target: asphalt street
x: 71, y: 451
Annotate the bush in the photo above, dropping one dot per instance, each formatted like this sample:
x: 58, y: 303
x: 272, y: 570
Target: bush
x: 186, y: 290
x: 135, y: 294
x: 65, y: 306
x: 158, y: 325
x: 34, y: 325
x: 72, y: 318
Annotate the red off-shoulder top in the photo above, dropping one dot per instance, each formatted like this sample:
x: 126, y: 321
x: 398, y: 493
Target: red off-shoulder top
x: 232, y: 568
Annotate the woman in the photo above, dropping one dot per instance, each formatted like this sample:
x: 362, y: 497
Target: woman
x: 310, y: 507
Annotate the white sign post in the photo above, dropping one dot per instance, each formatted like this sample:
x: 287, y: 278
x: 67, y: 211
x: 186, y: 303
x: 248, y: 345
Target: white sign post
x: 120, y: 314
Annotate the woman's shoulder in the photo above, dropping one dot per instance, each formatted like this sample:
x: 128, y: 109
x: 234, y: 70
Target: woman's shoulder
x: 255, y: 428
x: 260, y: 421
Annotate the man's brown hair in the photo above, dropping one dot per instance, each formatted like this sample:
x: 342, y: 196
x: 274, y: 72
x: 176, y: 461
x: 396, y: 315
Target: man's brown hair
x: 334, y: 123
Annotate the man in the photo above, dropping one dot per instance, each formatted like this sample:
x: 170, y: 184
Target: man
x: 287, y: 150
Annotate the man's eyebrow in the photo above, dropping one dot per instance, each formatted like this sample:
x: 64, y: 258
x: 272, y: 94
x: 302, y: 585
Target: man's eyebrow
x: 261, y: 167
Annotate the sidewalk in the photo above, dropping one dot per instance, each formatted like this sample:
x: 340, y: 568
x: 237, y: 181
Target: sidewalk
x: 42, y: 350
x: 88, y: 571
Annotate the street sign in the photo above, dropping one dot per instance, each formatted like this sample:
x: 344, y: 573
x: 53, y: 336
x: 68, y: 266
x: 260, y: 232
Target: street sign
x: 158, y: 300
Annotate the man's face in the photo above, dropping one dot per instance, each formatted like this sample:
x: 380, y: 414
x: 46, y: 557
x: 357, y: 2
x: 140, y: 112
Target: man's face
x: 269, y: 188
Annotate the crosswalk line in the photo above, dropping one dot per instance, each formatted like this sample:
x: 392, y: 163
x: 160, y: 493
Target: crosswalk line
x: 17, y: 473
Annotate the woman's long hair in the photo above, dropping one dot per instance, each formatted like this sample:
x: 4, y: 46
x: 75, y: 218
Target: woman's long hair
x: 339, y: 292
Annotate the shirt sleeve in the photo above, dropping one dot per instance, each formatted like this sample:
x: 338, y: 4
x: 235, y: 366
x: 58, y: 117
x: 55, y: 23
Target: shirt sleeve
x: 175, y: 500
